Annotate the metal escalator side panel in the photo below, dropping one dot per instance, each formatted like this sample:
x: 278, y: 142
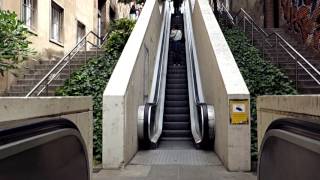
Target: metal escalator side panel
x: 195, y: 129
x: 151, y: 120
x: 58, y: 154
x: 200, y: 112
x: 160, y: 108
x: 286, y: 155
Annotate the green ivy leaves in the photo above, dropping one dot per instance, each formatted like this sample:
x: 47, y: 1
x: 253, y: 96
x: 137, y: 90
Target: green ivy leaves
x: 261, y: 77
x: 14, y: 44
x: 92, y: 78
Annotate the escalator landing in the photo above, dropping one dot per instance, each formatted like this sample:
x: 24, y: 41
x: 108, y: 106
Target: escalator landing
x: 176, y: 153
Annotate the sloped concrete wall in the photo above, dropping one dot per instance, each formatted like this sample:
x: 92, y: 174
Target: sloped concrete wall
x: 270, y: 108
x: 127, y: 88
x: 222, y: 82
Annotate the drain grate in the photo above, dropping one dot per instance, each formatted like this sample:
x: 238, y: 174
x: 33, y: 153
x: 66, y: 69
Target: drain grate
x: 176, y: 157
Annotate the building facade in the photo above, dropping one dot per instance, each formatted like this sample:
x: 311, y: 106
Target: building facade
x: 55, y: 26
x: 299, y: 16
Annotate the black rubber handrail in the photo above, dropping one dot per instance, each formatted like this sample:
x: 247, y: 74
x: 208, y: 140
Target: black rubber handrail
x: 297, y: 126
x: 11, y: 134
x: 201, y: 105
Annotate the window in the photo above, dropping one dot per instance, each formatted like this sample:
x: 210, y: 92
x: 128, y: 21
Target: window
x: 81, y: 31
x: 29, y: 13
x: 56, y: 23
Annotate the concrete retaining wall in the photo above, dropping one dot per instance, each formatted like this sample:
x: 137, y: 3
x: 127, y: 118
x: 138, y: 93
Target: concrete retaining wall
x: 222, y: 82
x: 76, y: 109
x: 270, y: 108
x: 128, y: 87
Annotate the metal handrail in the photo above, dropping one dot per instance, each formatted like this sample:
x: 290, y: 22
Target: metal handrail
x: 198, y: 96
x: 67, y: 58
x: 234, y: 20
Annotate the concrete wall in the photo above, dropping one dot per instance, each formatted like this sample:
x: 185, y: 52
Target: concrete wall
x: 84, y: 11
x: 129, y: 82
x: 76, y: 109
x: 270, y: 108
x: 222, y: 82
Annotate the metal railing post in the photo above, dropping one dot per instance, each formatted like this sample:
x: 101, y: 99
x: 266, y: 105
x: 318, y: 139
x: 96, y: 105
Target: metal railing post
x: 252, y: 34
x: 244, y: 24
x: 297, y: 78
x: 85, y: 50
x: 277, y: 54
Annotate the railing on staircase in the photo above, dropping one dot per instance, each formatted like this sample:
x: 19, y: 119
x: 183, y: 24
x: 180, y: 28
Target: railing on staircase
x: 272, y: 40
x: 90, y: 38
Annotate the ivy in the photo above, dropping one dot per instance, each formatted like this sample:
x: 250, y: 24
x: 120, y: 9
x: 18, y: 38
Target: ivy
x: 261, y: 77
x: 92, y: 78
x: 14, y: 46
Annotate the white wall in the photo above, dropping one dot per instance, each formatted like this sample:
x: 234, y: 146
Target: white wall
x: 222, y: 82
x: 127, y: 86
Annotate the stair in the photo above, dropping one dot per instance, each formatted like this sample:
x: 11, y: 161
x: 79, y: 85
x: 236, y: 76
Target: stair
x: 277, y: 56
x: 32, y: 76
x: 176, y: 126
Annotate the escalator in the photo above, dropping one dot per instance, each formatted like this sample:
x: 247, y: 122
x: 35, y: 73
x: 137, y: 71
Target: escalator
x: 44, y: 149
x: 176, y: 109
x: 290, y: 149
x: 177, y: 124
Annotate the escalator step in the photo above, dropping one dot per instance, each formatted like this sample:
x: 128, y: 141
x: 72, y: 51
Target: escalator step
x: 176, y: 76
x: 176, y: 133
x: 176, y: 125
x: 177, y: 81
x: 176, y: 86
x: 177, y: 71
x: 176, y: 138
x: 176, y: 110
x: 177, y: 97
x: 177, y: 91
x: 177, y: 67
x: 176, y: 103
x: 176, y: 117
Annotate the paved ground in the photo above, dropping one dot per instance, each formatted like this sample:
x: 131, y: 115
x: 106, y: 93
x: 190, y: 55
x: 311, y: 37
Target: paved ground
x: 172, y: 172
x: 173, y: 161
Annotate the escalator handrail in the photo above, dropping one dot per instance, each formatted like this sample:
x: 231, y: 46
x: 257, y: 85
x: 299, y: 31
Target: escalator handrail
x: 154, y: 97
x: 297, y: 126
x: 196, y: 80
x: 11, y: 134
x: 17, y: 137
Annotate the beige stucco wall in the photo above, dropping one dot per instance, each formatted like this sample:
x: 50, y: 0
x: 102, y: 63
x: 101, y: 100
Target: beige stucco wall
x: 76, y: 109
x: 222, y: 82
x: 270, y: 108
x: 84, y: 11
x: 125, y: 90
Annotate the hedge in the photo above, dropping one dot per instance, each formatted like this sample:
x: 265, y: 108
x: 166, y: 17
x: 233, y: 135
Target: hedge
x: 261, y: 77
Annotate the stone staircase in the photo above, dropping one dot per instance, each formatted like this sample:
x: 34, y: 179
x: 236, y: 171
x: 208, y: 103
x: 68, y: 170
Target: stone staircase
x: 32, y: 76
x: 279, y: 57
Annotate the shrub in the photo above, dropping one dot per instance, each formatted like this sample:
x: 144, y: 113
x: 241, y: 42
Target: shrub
x: 92, y: 78
x: 261, y: 77
x: 14, y: 44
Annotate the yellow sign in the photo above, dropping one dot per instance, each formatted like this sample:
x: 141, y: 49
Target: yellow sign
x: 239, y: 111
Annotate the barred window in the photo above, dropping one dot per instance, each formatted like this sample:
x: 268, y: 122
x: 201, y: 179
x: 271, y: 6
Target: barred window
x: 29, y: 13
x: 56, y: 22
